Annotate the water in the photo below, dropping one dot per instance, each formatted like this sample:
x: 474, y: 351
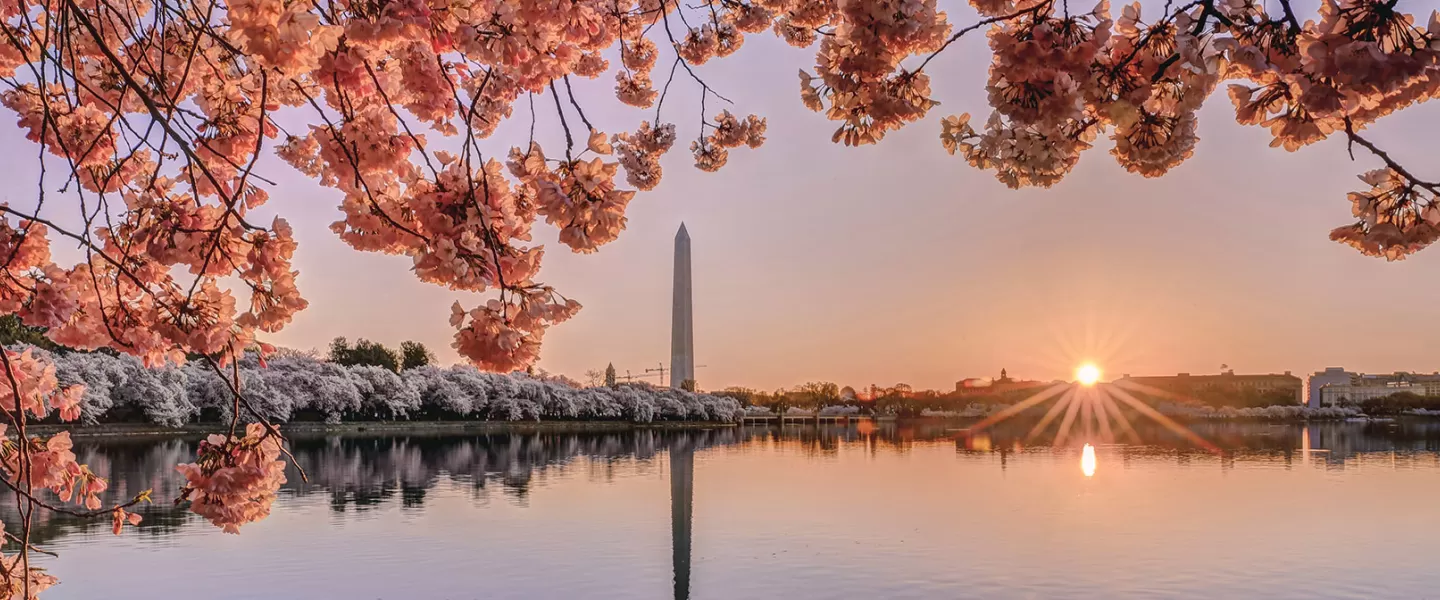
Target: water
x: 1341, y: 510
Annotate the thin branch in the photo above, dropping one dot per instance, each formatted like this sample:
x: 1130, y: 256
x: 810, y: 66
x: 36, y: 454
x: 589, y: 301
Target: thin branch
x: 1432, y: 187
x: 569, y: 141
x: 1038, y: 8
x: 571, y: 93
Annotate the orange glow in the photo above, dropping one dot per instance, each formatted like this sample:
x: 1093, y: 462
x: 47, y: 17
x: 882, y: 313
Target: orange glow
x: 1087, y: 461
x: 1087, y: 374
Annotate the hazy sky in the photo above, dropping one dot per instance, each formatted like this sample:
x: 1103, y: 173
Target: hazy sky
x: 899, y: 263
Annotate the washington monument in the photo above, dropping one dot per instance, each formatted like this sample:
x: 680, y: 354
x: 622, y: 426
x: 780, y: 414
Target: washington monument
x: 682, y: 332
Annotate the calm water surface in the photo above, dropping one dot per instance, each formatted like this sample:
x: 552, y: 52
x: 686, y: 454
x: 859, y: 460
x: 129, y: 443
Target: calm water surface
x: 1292, y: 511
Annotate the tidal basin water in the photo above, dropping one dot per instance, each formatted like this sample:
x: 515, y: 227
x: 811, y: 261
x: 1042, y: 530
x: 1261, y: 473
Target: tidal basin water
x: 868, y: 511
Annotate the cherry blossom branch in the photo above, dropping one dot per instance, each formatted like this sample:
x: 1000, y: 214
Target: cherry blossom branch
x: 347, y: 150
x: 270, y: 428
x: 23, y: 474
x: 571, y: 93
x: 149, y: 102
x: 1355, y: 138
x: 569, y: 141
x: 12, y: 537
x: 666, y: 90
x: 1290, y: 16
x: 404, y: 123
x: 82, y: 514
x: 1034, y: 10
x: 704, y: 87
x: 1150, y: 33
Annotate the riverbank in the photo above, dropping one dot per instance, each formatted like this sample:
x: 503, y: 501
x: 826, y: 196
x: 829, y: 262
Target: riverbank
x: 146, y: 430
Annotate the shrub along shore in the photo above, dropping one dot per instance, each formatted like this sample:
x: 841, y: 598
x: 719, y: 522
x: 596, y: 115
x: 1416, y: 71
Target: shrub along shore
x: 298, y: 389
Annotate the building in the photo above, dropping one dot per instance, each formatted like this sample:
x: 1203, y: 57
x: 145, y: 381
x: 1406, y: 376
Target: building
x: 682, y: 326
x: 1318, y: 381
x: 984, y: 386
x: 1228, y: 382
x: 1357, y: 388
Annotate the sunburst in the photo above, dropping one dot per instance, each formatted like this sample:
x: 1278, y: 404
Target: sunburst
x: 1094, y: 407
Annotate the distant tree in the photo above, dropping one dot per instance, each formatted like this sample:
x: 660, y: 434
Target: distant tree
x: 1399, y: 403
x: 364, y: 352
x: 415, y: 354
x: 688, y: 385
x: 746, y: 396
x: 593, y: 377
x: 560, y: 378
x: 610, y: 375
x: 817, y: 394
x: 307, y: 354
x: 13, y: 332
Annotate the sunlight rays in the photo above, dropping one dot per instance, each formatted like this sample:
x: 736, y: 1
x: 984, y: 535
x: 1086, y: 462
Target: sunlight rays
x: 1052, y: 413
x: 1170, y: 424
x: 1120, y: 418
x: 1096, y: 409
x: 1068, y: 420
x: 1016, y: 408
x: 1103, y: 419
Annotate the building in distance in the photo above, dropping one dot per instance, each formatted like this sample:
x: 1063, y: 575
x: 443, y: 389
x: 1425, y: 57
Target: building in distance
x: 985, y: 386
x: 1336, y: 386
x: 1227, y: 383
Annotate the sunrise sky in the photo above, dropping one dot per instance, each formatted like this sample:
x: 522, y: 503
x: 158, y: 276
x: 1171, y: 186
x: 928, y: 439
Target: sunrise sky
x: 898, y: 263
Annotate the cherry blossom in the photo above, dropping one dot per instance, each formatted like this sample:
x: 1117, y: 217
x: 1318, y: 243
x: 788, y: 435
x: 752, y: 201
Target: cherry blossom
x: 160, y: 116
x: 235, y: 478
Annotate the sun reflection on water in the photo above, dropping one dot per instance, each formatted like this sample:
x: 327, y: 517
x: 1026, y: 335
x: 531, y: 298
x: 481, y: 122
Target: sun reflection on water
x: 1087, y: 461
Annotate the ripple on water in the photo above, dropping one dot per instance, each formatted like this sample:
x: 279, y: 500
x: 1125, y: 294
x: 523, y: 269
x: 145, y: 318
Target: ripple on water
x: 807, y: 513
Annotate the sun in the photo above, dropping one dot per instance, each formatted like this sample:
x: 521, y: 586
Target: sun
x: 1087, y: 374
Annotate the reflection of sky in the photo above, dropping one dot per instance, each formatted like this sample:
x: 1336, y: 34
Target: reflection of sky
x: 897, y: 262
x: 805, y: 514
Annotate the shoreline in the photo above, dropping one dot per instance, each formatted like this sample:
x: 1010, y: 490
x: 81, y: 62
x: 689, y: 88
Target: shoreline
x: 146, y: 430
x: 308, y: 429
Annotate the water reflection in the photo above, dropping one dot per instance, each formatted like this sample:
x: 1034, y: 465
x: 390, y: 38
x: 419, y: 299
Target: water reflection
x: 355, y: 475
x: 682, y: 499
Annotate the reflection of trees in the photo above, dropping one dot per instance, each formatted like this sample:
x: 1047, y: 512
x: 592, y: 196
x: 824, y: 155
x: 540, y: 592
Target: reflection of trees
x: 364, y: 471
x: 1335, y: 442
x: 358, y: 472
x: 1331, y: 442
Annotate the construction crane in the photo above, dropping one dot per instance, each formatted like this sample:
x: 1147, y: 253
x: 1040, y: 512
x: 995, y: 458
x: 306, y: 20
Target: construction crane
x: 659, y: 371
x: 660, y: 368
x: 629, y: 377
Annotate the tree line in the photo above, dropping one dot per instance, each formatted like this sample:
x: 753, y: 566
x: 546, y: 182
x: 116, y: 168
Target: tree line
x: 903, y: 400
x: 294, y: 386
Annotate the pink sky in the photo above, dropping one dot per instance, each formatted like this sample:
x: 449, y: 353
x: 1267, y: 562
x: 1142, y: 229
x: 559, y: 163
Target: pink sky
x: 898, y: 263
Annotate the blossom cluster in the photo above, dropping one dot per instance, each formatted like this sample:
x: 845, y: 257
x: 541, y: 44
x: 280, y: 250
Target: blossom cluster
x: 31, y: 464
x: 209, y: 81
x: 235, y: 478
x: 380, y: 79
x: 1057, y: 82
x: 1395, y: 217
